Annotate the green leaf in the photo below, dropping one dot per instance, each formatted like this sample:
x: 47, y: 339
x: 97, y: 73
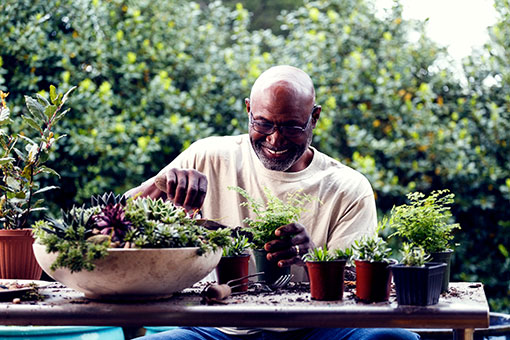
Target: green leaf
x: 27, y: 139
x: 47, y: 170
x: 53, y: 94
x: 32, y: 123
x: 6, y: 160
x: 48, y: 188
x: 4, y: 115
x: 60, y: 116
x: 50, y: 110
x: 13, y: 183
x: 503, y: 250
x: 20, y: 154
x: 36, y: 109
x: 66, y: 95
x: 42, y: 100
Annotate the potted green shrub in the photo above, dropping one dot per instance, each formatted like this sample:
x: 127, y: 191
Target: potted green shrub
x: 417, y: 282
x: 127, y: 248
x: 234, y: 262
x: 426, y: 222
x: 270, y: 216
x: 373, y: 277
x: 326, y: 272
x: 22, y: 162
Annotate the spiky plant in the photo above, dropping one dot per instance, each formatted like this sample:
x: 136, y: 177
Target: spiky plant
x: 112, y: 222
x: 71, y: 221
x: 108, y: 198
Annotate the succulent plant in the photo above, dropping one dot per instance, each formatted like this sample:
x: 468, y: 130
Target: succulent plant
x: 108, y: 198
x: 372, y: 249
x: 414, y: 255
x: 70, y: 222
x: 237, y: 246
x: 111, y: 221
x: 84, y: 235
x: 323, y: 254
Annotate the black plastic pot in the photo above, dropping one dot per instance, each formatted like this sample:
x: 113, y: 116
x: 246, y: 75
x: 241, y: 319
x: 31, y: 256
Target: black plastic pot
x: 419, y: 286
x: 444, y: 257
x: 270, y: 268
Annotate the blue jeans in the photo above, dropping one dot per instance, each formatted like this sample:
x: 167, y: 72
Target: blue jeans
x: 209, y: 333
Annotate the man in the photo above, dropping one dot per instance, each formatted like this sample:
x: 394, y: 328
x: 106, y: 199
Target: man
x: 276, y: 155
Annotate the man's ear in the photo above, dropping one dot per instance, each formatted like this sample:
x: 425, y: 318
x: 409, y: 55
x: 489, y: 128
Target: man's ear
x: 316, y: 114
x: 247, y: 103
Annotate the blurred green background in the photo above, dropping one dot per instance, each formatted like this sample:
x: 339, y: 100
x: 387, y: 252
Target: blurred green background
x: 154, y: 76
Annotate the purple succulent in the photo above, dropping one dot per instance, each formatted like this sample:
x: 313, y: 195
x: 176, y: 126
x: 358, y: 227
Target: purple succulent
x: 112, y: 222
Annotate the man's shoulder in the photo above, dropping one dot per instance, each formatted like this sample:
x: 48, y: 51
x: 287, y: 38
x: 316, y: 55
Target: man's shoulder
x: 217, y: 144
x: 341, y: 174
x: 220, y: 141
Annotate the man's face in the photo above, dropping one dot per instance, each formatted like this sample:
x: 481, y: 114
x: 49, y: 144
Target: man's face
x: 282, y: 149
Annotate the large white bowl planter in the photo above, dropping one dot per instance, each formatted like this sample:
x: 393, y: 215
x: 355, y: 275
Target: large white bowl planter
x: 134, y: 273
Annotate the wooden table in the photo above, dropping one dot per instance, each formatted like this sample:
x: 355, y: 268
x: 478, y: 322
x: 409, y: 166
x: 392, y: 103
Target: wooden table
x: 462, y: 309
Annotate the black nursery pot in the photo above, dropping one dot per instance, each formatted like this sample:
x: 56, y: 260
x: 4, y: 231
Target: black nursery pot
x: 270, y: 268
x: 444, y: 257
x: 419, y: 286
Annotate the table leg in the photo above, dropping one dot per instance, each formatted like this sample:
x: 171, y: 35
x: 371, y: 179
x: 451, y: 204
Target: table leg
x: 463, y: 334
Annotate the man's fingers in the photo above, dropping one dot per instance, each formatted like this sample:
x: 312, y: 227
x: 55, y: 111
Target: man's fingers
x: 195, y: 192
x: 171, y: 184
x: 181, y: 187
x: 289, y: 229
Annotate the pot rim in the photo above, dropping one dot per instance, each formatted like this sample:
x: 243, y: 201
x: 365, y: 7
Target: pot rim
x: 119, y: 250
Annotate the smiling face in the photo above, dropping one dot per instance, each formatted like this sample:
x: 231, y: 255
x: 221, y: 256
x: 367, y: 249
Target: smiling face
x: 283, y: 96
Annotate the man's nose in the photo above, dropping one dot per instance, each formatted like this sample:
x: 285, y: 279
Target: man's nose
x: 276, y: 138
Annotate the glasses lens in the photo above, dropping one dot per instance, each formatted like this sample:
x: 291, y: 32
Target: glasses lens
x: 291, y: 131
x: 263, y: 128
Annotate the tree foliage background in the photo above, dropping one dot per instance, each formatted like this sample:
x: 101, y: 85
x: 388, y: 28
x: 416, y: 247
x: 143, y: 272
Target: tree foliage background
x: 154, y: 76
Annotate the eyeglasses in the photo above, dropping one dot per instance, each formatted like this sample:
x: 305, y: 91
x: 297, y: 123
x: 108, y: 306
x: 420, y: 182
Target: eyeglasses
x: 290, y: 131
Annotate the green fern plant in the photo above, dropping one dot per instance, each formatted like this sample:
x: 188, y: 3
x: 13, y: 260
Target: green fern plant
x: 273, y: 214
x: 425, y: 221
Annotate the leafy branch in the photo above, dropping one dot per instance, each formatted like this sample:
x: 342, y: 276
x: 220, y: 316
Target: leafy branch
x: 20, y: 167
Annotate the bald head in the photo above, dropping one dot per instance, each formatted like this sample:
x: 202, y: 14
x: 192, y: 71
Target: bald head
x: 283, y: 83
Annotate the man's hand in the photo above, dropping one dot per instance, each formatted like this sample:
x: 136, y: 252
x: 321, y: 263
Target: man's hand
x: 186, y: 188
x: 285, y: 250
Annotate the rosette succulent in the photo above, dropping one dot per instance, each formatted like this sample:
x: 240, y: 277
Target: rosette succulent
x: 112, y: 222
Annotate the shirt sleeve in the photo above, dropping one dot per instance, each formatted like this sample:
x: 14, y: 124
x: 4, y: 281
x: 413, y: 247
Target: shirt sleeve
x: 358, y: 220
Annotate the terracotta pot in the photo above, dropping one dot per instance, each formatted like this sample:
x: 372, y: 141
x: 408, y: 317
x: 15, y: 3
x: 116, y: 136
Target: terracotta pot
x: 17, y: 260
x: 419, y: 286
x: 443, y: 257
x: 270, y: 268
x: 234, y: 267
x: 326, y: 279
x: 372, y: 281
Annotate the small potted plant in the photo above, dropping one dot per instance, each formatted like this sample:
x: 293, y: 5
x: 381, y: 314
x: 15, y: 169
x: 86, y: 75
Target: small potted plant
x: 127, y: 248
x: 417, y: 282
x: 269, y: 217
x: 234, y: 262
x: 373, y: 277
x: 22, y: 160
x: 426, y: 222
x: 326, y: 272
